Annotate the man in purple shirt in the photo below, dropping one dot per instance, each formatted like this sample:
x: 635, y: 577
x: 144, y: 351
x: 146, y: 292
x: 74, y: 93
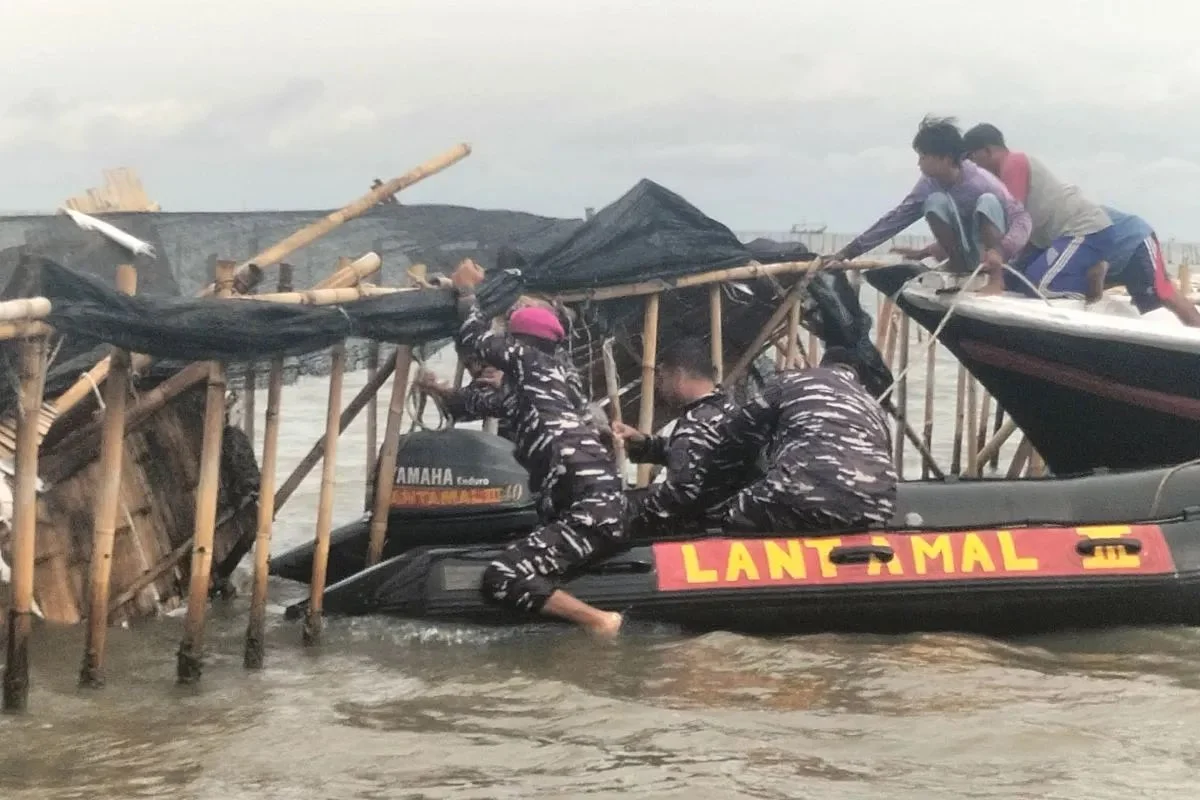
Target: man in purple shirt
x: 973, y: 217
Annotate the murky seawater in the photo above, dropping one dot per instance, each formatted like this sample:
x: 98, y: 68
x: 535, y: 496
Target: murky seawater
x: 393, y: 709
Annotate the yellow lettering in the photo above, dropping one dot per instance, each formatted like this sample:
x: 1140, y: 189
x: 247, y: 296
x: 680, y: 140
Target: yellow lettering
x: 691, y: 567
x: 1109, y: 556
x: 975, y: 553
x: 1014, y: 562
x: 894, y: 567
x: 924, y: 550
x: 739, y: 562
x: 790, y: 561
x: 824, y: 547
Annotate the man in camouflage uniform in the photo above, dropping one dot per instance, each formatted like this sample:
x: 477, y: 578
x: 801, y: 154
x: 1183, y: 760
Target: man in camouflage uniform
x: 583, y: 508
x: 486, y: 396
x: 828, y: 449
x: 695, y: 482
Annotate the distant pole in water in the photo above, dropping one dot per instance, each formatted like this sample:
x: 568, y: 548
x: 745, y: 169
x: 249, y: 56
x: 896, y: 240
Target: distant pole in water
x: 190, y: 654
x: 320, y: 563
x: 108, y: 504
x: 24, y: 545
x: 255, y: 648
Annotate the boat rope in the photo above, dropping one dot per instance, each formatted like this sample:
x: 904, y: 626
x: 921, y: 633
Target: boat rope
x: 1163, y: 483
x: 933, y: 338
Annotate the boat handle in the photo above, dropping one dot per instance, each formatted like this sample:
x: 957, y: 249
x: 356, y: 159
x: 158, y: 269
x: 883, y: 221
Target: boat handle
x: 861, y: 554
x: 616, y: 567
x: 1088, y: 547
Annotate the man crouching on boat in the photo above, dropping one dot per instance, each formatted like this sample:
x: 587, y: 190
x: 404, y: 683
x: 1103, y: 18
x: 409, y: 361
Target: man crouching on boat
x: 828, y: 448
x: 583, y: 508
x: 695, y: 483
x: 1135, y: 261
x: 973, y: 217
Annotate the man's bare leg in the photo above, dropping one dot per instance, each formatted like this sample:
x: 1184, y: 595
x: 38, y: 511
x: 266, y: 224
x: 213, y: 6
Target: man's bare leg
x: 990, y: 238
x: 601, y: 624
x: 1184, y: 309
x: 947, y: 239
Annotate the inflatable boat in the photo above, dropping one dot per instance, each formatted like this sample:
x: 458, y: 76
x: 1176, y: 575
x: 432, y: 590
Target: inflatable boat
x: 985, y: 555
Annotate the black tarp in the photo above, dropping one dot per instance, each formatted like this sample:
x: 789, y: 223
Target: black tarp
x: 202, y: 329
x: 650, y: 232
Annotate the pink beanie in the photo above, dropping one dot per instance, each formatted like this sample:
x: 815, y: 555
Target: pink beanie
x: 538, y: 322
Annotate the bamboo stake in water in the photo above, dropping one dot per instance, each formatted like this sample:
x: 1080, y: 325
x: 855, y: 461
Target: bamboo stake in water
x: 793, y: 338
x: 930, y: 367
x: 189, y: 659
x: 959, y: 418
x: 649, y: 360
x: 108, y: 504
x: 902, y: 392
x: 981, y: 437
x: 320, y: 563
x: 716, y: 331
x: 24, y: 533
x: 372, y: 423
x: 612, y: 383
x: 385, y: 477
x: 972, y: 427
x: 255, y: 649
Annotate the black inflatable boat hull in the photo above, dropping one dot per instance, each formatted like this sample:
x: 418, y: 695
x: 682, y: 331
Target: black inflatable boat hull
x: 989, y: 581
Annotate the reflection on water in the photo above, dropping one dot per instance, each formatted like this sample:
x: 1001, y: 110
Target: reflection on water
x: 394, y: 709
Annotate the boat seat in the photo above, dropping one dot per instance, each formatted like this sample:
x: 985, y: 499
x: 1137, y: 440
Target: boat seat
x: 1084, y: 500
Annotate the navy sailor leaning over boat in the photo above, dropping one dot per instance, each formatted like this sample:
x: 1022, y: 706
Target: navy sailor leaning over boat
x: 583, y: 510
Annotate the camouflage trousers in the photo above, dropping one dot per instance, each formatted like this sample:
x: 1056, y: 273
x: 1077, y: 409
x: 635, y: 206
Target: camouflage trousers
x: 773, y: 505
x: 528, y: 572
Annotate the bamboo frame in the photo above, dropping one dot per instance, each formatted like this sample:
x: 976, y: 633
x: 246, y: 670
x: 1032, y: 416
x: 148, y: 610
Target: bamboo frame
x: 930, y: 365
x: 716, y: 332
x: 255, y: 646
x: 313, y: 621
x: 902, y: 393
x: 313, y: 231
x: 748, y: 272
x: 189, y: 661
x: 612, y: 387
x: 365, y: 395
x: 384, y: 476
x: 104, y: 524
x: 24, y: 547
x: 649, y: 362
x: 372, y: 423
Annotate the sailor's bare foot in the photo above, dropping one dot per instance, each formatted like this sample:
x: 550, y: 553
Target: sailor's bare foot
x: 607, y: 627
x: 994, y: 285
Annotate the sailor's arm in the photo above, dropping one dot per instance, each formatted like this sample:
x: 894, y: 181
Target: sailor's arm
x: 889, y: 225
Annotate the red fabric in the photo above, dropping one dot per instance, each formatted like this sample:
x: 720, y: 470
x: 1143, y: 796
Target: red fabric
x: 1014, y: 174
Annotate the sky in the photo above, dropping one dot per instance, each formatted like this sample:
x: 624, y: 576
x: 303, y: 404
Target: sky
x: 763, y: 113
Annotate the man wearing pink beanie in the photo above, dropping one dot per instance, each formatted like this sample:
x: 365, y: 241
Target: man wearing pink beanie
x: 582, y: 507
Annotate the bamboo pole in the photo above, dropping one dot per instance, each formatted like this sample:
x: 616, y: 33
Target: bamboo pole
x: 972, y: 426
x: 814, y: 349
x: 792, y: 360
x: 649, y: 361
x: 310, y: 233
x: 930, y: 367
x: 385, y: 476
x: 992, y: 448
x: 959, y: 419
x: 324, y: 297
x: 189, y: 661
x: 612, y: 385
x: 25, y: 329
x: 716, y: 332
x: 252, y: 657
x: 24, y: 309
x: 320, y: 564
x: 747, y: 272
x: 1020, y: 458
x: 996, y: 428
x: 372, y: 423
x: 24, y: 533
x: 981, y: 436
x: 902, y: 392
x: 250, y: 388
x: 104, y: 524
x: 316, y: 452
x: 764, y: 335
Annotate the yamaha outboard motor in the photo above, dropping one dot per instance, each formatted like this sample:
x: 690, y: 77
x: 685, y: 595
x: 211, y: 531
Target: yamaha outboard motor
x: 451, y: 487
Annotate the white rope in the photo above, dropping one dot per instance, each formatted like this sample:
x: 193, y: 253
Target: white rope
x: 96, y: 390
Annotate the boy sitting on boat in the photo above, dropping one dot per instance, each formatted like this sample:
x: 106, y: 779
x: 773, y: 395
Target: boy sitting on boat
x: 582, y: 506
x: 1071, y: 235
x: 695, y: 483
x: 973, y: 217
x: 828, y: 448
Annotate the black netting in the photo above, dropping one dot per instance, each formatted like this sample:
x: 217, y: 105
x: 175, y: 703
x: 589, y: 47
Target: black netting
x: 650, y: 232
x: 202, y: 329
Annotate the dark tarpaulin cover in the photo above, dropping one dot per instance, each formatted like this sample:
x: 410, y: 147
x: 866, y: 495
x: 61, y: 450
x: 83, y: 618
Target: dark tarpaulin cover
x: 650, y: 232
x: 217, y: 329
x: 833, y: 312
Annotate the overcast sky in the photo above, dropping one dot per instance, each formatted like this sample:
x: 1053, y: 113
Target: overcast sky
x: 763, y: 113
